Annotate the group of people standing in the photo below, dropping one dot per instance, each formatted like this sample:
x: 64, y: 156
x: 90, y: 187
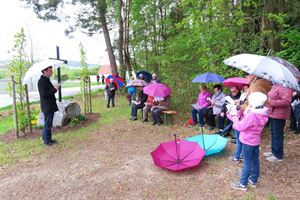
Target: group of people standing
x: 247, y: 111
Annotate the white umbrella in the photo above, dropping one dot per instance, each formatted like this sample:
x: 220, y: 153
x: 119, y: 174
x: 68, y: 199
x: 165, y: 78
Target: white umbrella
x: 35, y: 71
x: 269, y: 68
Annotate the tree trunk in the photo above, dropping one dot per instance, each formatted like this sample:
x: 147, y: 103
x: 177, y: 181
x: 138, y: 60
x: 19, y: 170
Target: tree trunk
x: 126, y: 36
x: 121, y: 39
x: 274, y: 7
x: 102, y: 11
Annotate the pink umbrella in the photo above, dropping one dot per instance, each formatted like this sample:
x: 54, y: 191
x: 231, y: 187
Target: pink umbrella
x: 236, y: 82
x: 177, y: 155
x: 157, y: 90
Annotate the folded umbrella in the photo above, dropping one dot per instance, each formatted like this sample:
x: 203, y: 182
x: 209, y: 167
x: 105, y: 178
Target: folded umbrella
x: 177, y: 155
x: 208, y: 78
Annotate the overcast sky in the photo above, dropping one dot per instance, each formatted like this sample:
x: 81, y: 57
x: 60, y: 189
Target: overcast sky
x: 46, y: 36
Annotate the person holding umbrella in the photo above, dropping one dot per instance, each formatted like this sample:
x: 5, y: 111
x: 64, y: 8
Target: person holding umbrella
x: 48, y: 103
x: 111, y: 92
x: 250, y: 127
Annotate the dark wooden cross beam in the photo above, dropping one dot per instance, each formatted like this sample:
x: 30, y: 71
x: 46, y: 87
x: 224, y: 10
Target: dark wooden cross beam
x: 58, y: 71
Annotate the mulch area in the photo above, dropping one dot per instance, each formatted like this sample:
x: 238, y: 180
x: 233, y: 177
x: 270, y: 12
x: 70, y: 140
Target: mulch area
x: 10, y: 136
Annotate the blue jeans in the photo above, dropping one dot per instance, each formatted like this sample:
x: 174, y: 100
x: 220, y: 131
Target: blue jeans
x: 238, y: 148
x: 227, y: 129
x: 47, y: 135
x: 250, y: 164
x: 221, y: 121
x: 277, y: 126
x: 200, y: 115
x: 134, y: 109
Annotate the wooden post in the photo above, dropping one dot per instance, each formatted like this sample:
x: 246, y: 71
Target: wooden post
x: 15, y: 106
x: 90, y: 95
x: 28, y: 108
x: 84, y: 95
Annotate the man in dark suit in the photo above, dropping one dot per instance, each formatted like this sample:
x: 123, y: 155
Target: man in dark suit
x: 48, y: 103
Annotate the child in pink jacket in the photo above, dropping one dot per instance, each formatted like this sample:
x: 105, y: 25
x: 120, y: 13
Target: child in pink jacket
x: 250, y: 127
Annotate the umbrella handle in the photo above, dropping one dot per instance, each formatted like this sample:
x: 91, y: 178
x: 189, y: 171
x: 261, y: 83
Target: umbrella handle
x: 177, y: 150
x: 201, y: 128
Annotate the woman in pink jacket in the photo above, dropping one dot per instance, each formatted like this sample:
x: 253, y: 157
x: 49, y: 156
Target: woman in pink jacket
x: 250, y: 127
x: 279, y: 101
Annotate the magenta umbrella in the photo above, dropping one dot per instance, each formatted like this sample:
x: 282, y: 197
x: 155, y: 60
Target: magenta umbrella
x: 157, y: 90
x: 236, y: 82
x: 177, y: 155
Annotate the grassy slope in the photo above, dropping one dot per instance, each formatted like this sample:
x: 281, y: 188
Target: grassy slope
x: 22, y: 150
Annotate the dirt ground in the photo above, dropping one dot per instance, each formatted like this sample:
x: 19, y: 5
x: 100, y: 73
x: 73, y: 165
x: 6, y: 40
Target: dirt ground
x: 115, y: 163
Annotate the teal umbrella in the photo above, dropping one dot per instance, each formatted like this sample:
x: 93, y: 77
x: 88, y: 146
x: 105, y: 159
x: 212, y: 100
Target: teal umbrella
x: 211, y: 143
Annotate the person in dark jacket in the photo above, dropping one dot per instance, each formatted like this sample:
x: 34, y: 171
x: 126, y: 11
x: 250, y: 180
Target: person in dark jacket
x: 139, y: 104
x: 48, y: 103
x: 111, y: 92
x: 102, y: 78
x: 235, y: 94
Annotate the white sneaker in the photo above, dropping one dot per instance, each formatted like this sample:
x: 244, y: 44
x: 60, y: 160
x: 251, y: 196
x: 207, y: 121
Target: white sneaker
x: 273, y: 159
x: 268, y: 154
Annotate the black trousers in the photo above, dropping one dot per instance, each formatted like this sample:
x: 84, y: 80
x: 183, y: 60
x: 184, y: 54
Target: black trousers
x: 112, y: 98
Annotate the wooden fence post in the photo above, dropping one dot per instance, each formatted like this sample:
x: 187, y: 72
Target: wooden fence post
x: 90, y: 95
x: 28, y: 108
x: 15, y: 106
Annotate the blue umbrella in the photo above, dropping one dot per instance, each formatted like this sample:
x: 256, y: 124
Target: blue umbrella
x: 147, y: 76
x: 208, y: 78
x: 211, y: 143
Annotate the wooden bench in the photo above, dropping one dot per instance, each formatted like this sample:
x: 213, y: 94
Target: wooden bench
x: 167, y: 113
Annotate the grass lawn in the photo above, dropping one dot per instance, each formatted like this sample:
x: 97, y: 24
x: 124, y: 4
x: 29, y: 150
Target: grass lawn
x: 7, y: 123
x: 22, y: 150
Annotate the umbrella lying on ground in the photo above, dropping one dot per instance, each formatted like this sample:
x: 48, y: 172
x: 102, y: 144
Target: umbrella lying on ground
x: 177, y: 155
x: 117, y: 80
x: 273, y: 69
x: 35, y: 71
x: 136, y: 83
x: 208, y: 78
x: 157, y: 90
x: 147, y: 75
x: 236, y: 81
x: 211, y: 143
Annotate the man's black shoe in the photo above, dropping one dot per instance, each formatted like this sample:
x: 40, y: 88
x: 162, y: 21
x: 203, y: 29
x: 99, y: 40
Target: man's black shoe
x: 49, y: 144
x: 54, y: 141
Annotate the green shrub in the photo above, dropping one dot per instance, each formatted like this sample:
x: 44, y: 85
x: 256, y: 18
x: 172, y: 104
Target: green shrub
x: 74, y: 121
x: 81, y: 118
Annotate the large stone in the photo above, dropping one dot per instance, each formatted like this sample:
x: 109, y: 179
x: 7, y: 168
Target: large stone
x: 66, y: 111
